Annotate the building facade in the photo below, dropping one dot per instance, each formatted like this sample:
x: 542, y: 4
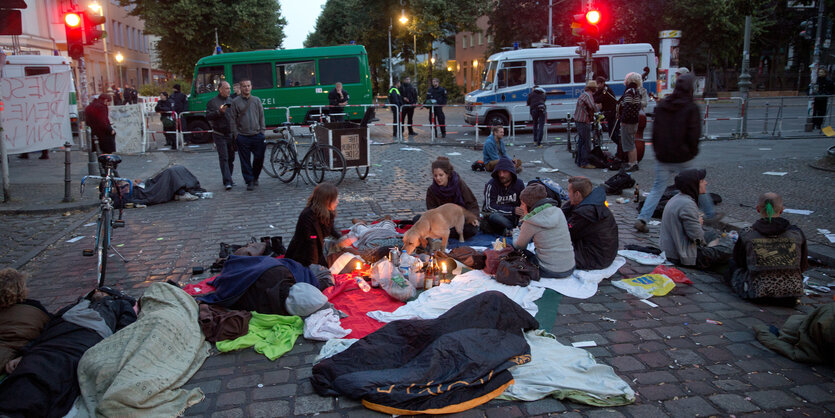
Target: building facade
x: 470, y: 52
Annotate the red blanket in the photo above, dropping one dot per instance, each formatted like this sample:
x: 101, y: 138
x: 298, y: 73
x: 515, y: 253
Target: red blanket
x: 200, y: 288
x: 349, y: 298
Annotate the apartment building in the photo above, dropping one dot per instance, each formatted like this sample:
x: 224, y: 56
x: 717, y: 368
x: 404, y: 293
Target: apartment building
x: 470, y: 51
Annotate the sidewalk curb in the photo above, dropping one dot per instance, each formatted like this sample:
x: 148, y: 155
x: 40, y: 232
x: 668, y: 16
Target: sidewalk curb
x: 49, y: 210
x: 26, y: 258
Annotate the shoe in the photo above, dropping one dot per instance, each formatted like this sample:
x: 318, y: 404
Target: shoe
x: 413, y: 133
x: 714, y: 221
x: 443, y: 135
x: 228, y: 187
x: 250, y: 187
x: 255, y: 182
x: 590, y: 166
x: 641, y: 226
x: 188, y: 197
x: 24, y: 156
x: 44, y: 157
x: 633, y: 168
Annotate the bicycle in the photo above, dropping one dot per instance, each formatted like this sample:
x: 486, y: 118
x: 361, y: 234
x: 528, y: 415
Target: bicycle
x: 105, y: 223
x: 320, y: 163
x: 596, y: 134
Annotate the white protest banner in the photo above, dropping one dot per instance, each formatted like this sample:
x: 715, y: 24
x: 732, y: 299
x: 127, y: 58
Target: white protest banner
x: 36, y: 111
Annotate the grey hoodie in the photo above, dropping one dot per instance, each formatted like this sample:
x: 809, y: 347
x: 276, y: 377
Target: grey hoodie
x: 546, y: 226
x: 681, y: 231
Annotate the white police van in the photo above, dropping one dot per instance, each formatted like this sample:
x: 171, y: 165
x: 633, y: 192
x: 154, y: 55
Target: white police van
x: 509, y: 77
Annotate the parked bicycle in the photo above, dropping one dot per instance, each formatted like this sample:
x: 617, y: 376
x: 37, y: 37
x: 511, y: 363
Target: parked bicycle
x: 320, y: 163
x: 596, y: 136
x: 105, y: 223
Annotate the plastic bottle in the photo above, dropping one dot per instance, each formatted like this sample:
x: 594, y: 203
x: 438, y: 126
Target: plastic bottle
x: 363, y: 284
x: 404, y: 264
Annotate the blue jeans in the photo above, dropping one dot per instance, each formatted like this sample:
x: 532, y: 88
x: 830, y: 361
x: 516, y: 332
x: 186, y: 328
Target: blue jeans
x: 226, y: 157
x: 664, y: 172
x: 538, y: 125
x: 583, y: 139
x: 251, y: 147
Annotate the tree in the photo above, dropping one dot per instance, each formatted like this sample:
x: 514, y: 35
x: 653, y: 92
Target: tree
x: 518, y: 21
x: 186, y: 28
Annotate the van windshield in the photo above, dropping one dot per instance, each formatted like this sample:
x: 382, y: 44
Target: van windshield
x: 489, y: 75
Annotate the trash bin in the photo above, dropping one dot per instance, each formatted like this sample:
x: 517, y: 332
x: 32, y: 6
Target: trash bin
x: 350, y: 138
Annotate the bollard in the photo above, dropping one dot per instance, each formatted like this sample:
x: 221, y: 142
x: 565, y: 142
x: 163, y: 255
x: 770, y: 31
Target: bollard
x: 67, y: 173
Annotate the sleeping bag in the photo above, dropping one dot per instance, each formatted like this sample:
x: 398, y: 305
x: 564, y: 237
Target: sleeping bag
x: 437, y: 366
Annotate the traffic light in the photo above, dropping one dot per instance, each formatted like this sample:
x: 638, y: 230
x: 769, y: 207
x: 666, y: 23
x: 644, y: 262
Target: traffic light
x: 585, y: 24
x: 73, y: 23
x: 92, y: 28
x: 807, y: 29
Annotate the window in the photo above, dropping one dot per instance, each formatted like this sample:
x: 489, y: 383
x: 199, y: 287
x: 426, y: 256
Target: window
x: 489, y: 75
x: 27, y: 71
x: 480, y: 39
x: 599, y: 67
x: 513, y: 73
x: 471, y: 40
x: 345, y: 70
x: 551, y: 72
x: 116, y: 29
x: 621, y: 66
x: 208, y: 79
x: 260, y: 74
x: 464, y: 42
x: 295, y: 74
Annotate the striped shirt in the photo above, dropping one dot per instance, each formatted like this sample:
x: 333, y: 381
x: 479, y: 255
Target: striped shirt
x: 585, y: 108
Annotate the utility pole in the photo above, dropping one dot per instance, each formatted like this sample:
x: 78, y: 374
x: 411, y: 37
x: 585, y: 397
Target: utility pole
x: 744, y: 77
x: 813, y: 79
x: 550, y: 22
x: 391, y: 77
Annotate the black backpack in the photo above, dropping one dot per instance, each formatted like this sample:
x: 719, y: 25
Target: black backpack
x: 552, y: 194
x: 618, y: 182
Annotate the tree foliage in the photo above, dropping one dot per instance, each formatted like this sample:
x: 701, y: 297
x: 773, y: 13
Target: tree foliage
x: 186, y: 28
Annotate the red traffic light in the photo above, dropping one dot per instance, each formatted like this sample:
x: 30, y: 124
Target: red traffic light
x: 593, y: 17
x: 92, y: 28
x: 72, y: 19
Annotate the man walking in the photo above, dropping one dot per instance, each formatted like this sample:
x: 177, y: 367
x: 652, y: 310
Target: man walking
x: 583, y: 116
x: 409, y: 100
x: 437, y: 97
x: 337, y: 98
x: 676, y: 129
x: 536, y: 103
x: 396, y: 100
x: 248, y: 126
x: 216, y: 112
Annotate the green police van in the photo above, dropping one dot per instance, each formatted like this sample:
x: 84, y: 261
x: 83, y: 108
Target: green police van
x: 281, y: 78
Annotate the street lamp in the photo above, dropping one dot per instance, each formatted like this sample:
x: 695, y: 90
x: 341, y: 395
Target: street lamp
x: 119, y: 58
x: 403, y: 19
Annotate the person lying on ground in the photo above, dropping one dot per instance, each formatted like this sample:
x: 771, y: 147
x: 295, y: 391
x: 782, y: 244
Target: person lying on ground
x: 173, y: 183
x: 364, y: 235
x: 448, y: 187
x: 544, y: 224
x: 769, y: 257
x: 593, y: 229
x: 683, y: 238
x: 21, y: 319
x: 501, y: 211
x: 494, y: 149
x: 316, y: 222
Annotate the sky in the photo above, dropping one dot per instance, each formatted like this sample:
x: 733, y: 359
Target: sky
x: 301, y: 18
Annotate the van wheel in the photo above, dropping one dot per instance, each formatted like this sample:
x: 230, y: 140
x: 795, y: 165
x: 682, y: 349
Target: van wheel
x: 493, y: 119
x: 198, y: 138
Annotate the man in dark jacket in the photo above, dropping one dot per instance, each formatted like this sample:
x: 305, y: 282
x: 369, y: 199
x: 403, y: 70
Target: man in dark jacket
x: 179, y: 99
x: 437, y: 97
x: 605, y: 97
x: 536, y: 103
x: 501, y: 210
x: 410, y: 101
x: 222, y: 135
x: 824, y: 87
x: 676, y: 130
x: 395, y: 99
x: 337, y: 98
x: 97, y: 117
x: 165, y: 108
x: 593, y: 229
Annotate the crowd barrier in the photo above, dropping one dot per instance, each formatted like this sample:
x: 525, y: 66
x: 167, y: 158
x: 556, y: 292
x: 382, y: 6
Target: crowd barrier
x: 740, y: 110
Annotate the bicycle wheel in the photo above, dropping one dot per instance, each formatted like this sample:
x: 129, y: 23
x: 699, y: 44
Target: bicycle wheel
x: 103, y: 244
x: 318, y: 162
x: 283, y: 162
x: 268, y: 166
x: 362, y: 172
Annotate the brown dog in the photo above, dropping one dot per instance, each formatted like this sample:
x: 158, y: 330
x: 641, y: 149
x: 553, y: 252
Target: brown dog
x: 436, y: 223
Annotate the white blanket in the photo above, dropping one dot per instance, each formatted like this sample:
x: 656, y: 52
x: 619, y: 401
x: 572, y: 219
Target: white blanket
x: 324, y: 325
x: 437, y: 300
x: 646, y: 259
x: 583, y: 283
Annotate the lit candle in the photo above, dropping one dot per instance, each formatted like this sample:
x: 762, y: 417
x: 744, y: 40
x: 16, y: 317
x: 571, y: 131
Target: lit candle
x: 443, y: 267
x: 359, y: 265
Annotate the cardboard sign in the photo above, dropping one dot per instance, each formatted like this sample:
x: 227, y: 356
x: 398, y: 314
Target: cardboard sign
x: 36, y: 111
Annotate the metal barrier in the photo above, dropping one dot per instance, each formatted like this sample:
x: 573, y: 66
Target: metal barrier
x: 707, y: 119
x: 791, y: 113
x: 515, y: 125
x: 365, y: 107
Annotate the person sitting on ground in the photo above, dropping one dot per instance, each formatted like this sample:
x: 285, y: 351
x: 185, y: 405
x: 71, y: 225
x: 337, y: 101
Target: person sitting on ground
x: 501, y: 210
x: 173, y: 183
x: 316, y: 222
x: 769, y: 257
x: 544, y: 224
x: 682, y: 237
x: 593, y: 229
x: 494, y: 149
x: 21, y: 319
x: 448, y: 187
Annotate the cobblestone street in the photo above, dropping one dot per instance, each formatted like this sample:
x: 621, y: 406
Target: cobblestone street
x: 677, y: 363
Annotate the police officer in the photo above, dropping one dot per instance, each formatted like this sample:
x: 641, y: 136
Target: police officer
x: 409, y: 95
x: 436, y: 96
x: 395, y: 99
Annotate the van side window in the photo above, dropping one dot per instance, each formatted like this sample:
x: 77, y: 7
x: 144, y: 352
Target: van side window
x: 28, y: 71
x: 295, y: 74
x: 621, y: 66
x: 513, y: 73
x: 599, y: 67
x: 547, y: 72
x: 260, y: 74
x: 345, y: 70
x: 208, y: 79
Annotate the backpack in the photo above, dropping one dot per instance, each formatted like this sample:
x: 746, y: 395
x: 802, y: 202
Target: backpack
x: 516, y: 270
x: 555, y: 191
x: 618, y: 182
x: 630, y: 112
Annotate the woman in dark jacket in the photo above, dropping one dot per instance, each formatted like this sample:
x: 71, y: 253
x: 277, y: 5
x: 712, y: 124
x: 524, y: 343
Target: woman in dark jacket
x: 315, y: 223
x: 448, y: 187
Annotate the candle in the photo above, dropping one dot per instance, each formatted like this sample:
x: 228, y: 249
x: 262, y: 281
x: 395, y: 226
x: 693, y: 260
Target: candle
x: 359, y: 265
x: 443, y: 267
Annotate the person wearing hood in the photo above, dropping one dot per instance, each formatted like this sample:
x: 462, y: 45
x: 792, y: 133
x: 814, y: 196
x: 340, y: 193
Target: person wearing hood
x: 536, y: 103
x: 676, y: 130
x: 593, y: 229
x: 770, y: 257
x: 494, y: 149
x: 682, y: 237
x: 448, y: 187
x: 97, y: 117
x: 544, y: 224
x: 501, y: 209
